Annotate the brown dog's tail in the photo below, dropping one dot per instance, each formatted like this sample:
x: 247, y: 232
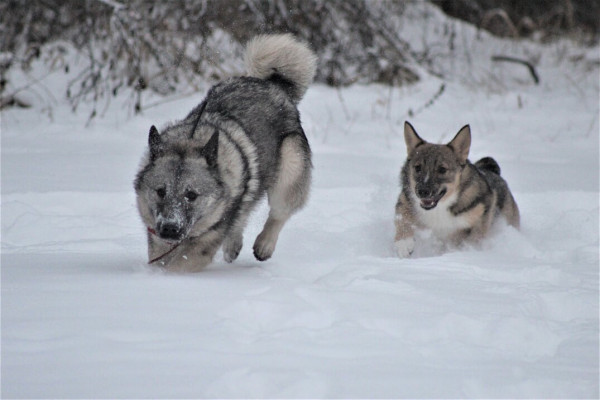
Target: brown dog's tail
x: 488, y: 164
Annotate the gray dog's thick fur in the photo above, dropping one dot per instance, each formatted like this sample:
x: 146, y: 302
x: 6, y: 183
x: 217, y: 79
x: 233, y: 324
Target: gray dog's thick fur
x: 202, y: 175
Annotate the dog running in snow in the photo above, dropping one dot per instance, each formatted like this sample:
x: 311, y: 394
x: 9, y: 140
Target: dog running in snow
x: 201, y: 176
x: 444, y: 193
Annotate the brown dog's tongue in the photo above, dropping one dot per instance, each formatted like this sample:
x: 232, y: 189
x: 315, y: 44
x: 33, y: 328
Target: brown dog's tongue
x: 428, y: 203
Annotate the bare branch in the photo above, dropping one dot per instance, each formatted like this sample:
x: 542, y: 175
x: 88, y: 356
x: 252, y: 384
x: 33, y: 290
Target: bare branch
x: 529, y: 65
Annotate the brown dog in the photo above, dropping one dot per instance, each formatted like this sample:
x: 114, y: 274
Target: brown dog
x: 443, y: 192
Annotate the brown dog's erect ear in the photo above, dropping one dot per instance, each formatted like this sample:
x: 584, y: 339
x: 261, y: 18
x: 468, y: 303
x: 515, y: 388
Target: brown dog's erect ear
x: 154, y: 142
x: 211, y: 150
x: 411, y: 138
x: 461, y: 143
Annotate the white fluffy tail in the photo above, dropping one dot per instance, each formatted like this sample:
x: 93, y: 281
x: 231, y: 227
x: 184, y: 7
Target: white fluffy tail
x: 282, y: 58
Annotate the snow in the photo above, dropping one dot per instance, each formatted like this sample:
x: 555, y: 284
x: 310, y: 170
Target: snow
x: 334, y: 313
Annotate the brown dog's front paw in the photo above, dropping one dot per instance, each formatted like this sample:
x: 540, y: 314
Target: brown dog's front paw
x: 404, y: 247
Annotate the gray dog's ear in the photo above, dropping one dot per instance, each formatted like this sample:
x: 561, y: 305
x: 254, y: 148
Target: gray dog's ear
x: 154, y: 143
x: 462, y: 143
x: 211, y: 150
x: 411, y: 138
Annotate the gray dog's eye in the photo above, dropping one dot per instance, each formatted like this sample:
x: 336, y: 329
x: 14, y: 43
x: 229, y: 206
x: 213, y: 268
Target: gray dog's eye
x: 442, y: 170
x: 191, y: 196
x: 162, y: 192
x: 417, y: 168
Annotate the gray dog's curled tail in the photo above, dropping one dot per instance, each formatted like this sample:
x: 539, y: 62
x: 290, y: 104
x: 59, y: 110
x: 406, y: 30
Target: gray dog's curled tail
x: 283, y: 59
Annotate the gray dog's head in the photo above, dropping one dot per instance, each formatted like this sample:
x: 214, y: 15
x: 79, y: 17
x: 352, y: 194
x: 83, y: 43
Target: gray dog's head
x: 178, y: 186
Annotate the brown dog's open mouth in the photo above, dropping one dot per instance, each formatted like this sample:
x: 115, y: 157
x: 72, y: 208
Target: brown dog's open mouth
x: 429, y: 203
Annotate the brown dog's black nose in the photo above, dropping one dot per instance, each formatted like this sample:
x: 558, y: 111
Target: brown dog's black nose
x: 424, y: 193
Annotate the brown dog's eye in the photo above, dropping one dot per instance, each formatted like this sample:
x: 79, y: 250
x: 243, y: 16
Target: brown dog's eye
x: 162, y: 192
x: 417, y: 168
x: 442, y: 170
x: 191, y: 196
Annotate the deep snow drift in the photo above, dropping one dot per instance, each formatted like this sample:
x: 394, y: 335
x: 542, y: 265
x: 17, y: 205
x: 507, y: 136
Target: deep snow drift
x: 334, y: 313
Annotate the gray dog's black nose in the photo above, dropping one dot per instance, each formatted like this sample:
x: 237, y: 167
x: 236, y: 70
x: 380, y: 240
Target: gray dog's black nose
x: 169, y: 231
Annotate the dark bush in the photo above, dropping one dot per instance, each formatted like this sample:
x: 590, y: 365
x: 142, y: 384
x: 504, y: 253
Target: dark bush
x: 514, y: 18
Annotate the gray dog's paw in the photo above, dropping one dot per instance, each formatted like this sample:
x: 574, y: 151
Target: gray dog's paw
x: 263, y: 248
x: 231, y: 249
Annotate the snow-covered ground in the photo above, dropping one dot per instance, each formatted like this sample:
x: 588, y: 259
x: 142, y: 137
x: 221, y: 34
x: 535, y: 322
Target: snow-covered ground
x: 334, y: 313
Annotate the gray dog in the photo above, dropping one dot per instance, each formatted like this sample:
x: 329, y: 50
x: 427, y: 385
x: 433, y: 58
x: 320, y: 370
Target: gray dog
x: 201, y: 176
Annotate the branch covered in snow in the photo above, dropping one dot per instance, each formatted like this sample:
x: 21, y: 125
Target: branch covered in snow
x: 163, y: 46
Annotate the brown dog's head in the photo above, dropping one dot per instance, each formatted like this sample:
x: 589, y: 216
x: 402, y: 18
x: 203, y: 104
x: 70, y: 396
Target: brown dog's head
x: 432, y: 170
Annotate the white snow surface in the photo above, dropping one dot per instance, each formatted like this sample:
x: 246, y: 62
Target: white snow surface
x: 334, y: 313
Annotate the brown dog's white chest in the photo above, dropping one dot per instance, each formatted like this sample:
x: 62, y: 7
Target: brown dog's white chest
x: 440, y: 220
